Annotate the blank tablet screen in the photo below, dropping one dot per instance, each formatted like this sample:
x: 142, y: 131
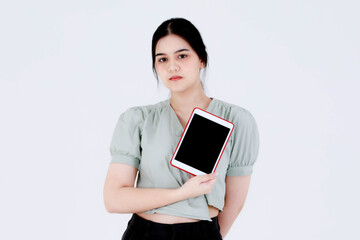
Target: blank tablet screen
x: 202, y: 144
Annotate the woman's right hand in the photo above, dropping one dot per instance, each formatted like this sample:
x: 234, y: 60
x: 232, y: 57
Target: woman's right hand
x: 198, y: 185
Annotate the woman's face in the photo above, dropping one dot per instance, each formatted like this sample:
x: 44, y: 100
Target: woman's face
x: 177, y: 64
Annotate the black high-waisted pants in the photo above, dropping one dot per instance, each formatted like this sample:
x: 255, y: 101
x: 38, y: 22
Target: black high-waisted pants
x: 142, y: 229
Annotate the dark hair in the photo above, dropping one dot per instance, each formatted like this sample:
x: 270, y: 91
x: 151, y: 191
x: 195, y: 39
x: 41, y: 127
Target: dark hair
x: 184, y: 29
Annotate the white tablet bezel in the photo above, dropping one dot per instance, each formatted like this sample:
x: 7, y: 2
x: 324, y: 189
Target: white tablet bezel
x: 212, y: 117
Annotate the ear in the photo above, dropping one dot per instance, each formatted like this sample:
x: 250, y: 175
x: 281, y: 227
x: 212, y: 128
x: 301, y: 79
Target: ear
x: 202, y: 64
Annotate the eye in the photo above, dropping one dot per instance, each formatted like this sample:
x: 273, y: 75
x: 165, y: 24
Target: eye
x: 162, y: 60
x: 182, y: 56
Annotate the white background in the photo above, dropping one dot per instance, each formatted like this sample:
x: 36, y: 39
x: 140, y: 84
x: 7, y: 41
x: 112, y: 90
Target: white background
x: 69, y: 68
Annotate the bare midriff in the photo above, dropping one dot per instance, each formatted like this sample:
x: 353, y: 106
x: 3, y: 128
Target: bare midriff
x: 170, y: 219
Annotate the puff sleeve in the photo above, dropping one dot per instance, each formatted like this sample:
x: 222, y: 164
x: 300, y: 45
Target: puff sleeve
x: 245, y: 144
x: 125, y: 144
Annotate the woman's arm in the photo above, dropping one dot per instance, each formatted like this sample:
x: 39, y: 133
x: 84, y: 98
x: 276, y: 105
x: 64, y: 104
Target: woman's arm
x: 120, y: 196
x: 236, y: 192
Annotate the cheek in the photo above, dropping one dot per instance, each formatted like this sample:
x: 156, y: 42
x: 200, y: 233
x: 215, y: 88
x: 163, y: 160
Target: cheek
x: 160, y: 72
x: 160, y: 68
x: 192, y: 66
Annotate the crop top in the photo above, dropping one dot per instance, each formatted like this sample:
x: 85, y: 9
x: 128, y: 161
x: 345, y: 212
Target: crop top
x: 146, y: 137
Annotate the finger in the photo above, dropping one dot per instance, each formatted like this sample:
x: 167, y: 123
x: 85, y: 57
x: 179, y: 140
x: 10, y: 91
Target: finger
x: 204, y: 178
x: 209, y: 181
x: 213, y: 175
x: 208, y: 177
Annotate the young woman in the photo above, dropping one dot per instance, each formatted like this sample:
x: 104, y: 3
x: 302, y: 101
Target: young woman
x: 168, y: 203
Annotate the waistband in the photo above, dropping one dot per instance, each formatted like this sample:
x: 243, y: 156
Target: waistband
x: 201, y: 228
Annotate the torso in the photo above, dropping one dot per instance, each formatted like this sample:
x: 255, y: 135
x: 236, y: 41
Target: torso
x: 155, y: 155
x: 170, y: 219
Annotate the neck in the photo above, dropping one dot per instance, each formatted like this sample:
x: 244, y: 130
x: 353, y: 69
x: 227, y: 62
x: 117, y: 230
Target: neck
x: 187, y: 101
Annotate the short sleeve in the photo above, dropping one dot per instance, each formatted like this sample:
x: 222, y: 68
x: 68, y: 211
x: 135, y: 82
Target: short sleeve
x: 245, y: 144
x: 125, y: 144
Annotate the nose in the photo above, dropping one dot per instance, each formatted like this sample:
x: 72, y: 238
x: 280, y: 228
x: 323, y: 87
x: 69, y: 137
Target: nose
x: 173, y: 66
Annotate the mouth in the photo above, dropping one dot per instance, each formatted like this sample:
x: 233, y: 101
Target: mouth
x: 175, y: 78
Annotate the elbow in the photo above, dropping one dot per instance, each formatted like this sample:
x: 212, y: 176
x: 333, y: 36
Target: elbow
x: 111, y: 204
x: 109, y: 208
x: 239, y: 209
x: 113, y: 210
x: 114, y: 207
x: 116, y: 200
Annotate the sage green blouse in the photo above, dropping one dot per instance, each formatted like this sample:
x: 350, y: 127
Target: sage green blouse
x: 146, y: 137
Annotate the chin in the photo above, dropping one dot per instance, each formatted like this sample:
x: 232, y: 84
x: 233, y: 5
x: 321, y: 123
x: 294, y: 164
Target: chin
x: 174, y: 89
x: 179, y: 87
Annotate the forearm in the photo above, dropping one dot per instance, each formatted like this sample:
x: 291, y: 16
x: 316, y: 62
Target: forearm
x: 226, y: 219
x: 133, y: 200
x: 121, y: 197
x: 236, y: 191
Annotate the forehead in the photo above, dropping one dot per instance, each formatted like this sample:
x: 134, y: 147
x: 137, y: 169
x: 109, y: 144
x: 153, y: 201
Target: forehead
x: 171, y: 43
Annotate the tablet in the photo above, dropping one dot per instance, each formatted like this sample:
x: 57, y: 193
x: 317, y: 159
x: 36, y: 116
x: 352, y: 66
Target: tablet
x: 202, y: 143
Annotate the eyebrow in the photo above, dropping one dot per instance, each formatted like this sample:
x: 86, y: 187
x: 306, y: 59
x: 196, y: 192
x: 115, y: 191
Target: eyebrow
x: 180, y: 50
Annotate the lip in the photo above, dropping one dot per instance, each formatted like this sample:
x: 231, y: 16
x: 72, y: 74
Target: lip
x: 174, y: 78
